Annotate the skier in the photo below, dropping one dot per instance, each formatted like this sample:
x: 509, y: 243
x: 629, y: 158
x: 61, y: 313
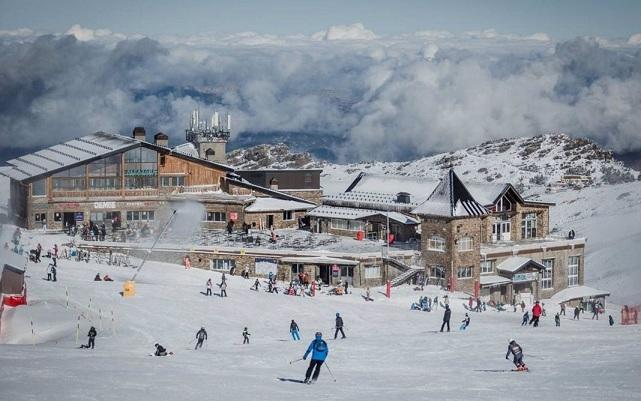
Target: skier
x: 294, y: 330
x: 517, y: 351
x: 223, y: 289
x: 319, y: 349
x: 595, y: 310
x: 465, y: 322
x: 201, y: 336
x: 49, y: 272
x: 160, y: 350
x: 54, y: 271
x: 223, y: 279
x: 611, y: 320
x: 563, y: 308
x: 92, y: 338
x: 256, y: 285
x: 246, y: 336
x: 339, y: 326
x: 209, y: 287
x: 446, y: 318
x: 522, y: 306
x: 526, y: 317
x: 576, y: 313
x: 536, y: 313
x: 557, y: 320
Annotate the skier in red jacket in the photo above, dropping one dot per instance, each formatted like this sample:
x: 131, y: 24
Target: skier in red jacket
x: 536, y: 313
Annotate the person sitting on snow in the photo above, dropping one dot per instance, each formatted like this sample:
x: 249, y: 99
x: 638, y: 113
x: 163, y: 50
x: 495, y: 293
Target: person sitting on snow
x: 106, y: 278
x: 97, y: 278
x: 160, y: 350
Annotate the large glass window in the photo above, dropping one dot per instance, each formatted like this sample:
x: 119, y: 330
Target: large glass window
x: 104, y: 173
x: 216, y: 216
x: 222, y: 264
x: 72, y: 179
x: 487, y: 266
x: 172, y: 181
x: 528, y: 226
x: 39, y: 188
x: 141, y: 168
x: 342, y: 224
x: 436, y: 243
x: 547, y: 274
x: 465, y: 244
x: 372, y: 272
x: 135, y: 215
x: 573, y: 271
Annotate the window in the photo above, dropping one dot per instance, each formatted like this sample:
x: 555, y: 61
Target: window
x: 222, y: 264
x: 547, y: 274
x: 307, y: 180
x: 372, y: 272
x: 528, y: 226
x: 298, y: 268
x: 436, y: 243
x: 288, y: 215
x: 141, y: 168
x: 487, y: 266
x: 104, y: 173
x: 464, y: 272
x: 465, y: 244
x: 216, y: 216
x: 437, y: 271
x: 39, y: 188
x: 40, y: 217
x: 342, y: 224
x: 135, y: 215
x: 72, y: 179
x: 57, y: 216
x: 172, y: 181
x: 573, y: 271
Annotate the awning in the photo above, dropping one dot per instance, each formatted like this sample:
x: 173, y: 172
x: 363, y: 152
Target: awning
x: 494, y: 280
x: 318, y: 260
x: 578, y: 292
x: 516, y: 263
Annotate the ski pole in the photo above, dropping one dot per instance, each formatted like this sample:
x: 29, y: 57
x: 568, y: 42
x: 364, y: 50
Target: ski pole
x: 330, y: 371
x: 295, y: 360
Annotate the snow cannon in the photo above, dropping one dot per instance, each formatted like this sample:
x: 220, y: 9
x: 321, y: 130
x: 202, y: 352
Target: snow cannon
x: 129, y: 289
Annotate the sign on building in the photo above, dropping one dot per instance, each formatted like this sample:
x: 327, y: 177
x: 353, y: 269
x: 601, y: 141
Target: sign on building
x: 104, y: 205
x: 233, y: 216
x: 79, y: 216
x: 522, y: 277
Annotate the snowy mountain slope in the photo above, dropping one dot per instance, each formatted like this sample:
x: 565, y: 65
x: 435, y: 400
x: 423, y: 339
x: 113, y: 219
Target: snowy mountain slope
x: 390, y: 350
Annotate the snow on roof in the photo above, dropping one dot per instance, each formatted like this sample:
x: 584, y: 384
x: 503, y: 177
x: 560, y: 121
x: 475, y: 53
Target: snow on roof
x: 516, y: 263
x: 367, y: 199
x: 67, y: 154
x: 187, y: 149
x: 490, y: 280
x: 418, y: 188
x: 323, y: 260
x: 349, y: 213
x: 451, y: 199
x: 578, y: 292
x: 485, y: 194
x: 274, y: 205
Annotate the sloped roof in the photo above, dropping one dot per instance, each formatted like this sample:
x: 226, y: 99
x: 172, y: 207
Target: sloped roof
x: 187, y: 149
x: 451, y: 198
x: 349, y: 213
x: 577, y: 292
x: 321, y: 260
x: 492, y: 279
x: 276, y: 205
x: 486, y: 194
x: 418, y: 188
x: 516, y: 263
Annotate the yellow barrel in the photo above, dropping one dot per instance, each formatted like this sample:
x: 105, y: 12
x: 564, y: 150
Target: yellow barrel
x: 129, y: 289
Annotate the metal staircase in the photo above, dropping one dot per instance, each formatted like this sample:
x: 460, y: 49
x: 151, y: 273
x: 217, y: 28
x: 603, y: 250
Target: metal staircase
x: 408, y: 271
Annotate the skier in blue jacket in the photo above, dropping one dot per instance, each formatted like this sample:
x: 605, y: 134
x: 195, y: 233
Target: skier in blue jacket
x: 319, y: 349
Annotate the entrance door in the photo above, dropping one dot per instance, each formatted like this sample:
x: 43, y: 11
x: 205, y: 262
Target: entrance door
x: 69, y: 219
x: 347, y: 274
x: 325, y: 271
x: 270, y: 221
x: 501, y: 231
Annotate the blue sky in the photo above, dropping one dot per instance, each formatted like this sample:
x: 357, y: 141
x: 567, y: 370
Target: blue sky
x: 560, y: 19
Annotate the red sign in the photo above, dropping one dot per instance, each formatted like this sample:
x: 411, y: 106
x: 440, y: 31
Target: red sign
x: 233, y: 216
x: 335, y: 268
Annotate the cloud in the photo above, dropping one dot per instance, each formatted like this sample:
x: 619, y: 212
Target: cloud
x: 386, y: 98
x: 635, y: 40
x: 87, y: 34
x: 355, y: 31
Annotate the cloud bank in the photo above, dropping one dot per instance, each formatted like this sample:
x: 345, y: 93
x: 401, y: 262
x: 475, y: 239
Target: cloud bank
x: 389, y: 98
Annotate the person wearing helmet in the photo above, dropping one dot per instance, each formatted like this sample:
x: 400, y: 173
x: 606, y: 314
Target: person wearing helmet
x: 160, y: 350
x: 517, y: 351
x: 294, y: 330
x: 339, y: 326
x: 201, y: 336
x: 465, y: 322
x: 319, y: 350
x: 92, y: 338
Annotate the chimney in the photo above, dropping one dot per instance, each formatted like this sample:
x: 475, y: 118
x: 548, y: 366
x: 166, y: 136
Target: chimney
x: 402, y: 197
x: 140, y: 134
x: 161, y: 139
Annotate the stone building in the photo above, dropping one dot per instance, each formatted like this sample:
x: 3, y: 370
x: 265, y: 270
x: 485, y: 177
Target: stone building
x: 488, y: 240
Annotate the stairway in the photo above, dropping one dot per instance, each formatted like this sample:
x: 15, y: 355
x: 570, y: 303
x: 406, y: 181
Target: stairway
x: 408, y: 271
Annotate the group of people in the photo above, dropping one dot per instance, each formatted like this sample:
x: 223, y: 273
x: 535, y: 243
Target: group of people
x: 222, y: 285
x: 104, y: 278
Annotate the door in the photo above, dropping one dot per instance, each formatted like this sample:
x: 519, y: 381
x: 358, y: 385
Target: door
x: 324, y: 273
x: 69, y: 219
x: 506, y: 230
x: 270, y: 221
x: 347, y: 274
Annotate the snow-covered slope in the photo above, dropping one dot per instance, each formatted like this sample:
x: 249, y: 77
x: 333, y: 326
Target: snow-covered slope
x: 390, y: 351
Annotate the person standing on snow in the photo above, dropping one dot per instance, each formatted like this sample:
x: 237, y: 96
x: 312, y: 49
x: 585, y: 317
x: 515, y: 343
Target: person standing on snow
x: 517, y: 351
x: 526, y: 317
x: 209, y: 287
x: 563, y: 308
x: 465, y: 322
x: 339, y: 326
x: 576, y: 313
x: 522, y: 306
x: 201, y: 336
x: 319, y: 349
x: 92, y: 338
x: 256, y: 285
x: 294, y: 330
x: 246, y: 336
x: 536, y: 313
x: 557, y: 320
x: 446, y: 318
x: 223, y: 289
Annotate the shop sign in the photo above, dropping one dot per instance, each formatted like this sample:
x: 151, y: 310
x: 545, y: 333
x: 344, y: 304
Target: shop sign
x: 233, y: 216
x: 104, y: 205
x: 138, y: 172
x: 335, y: 268
x: 521, y: 277
x: 73, y: 205
x: 79, y: 216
